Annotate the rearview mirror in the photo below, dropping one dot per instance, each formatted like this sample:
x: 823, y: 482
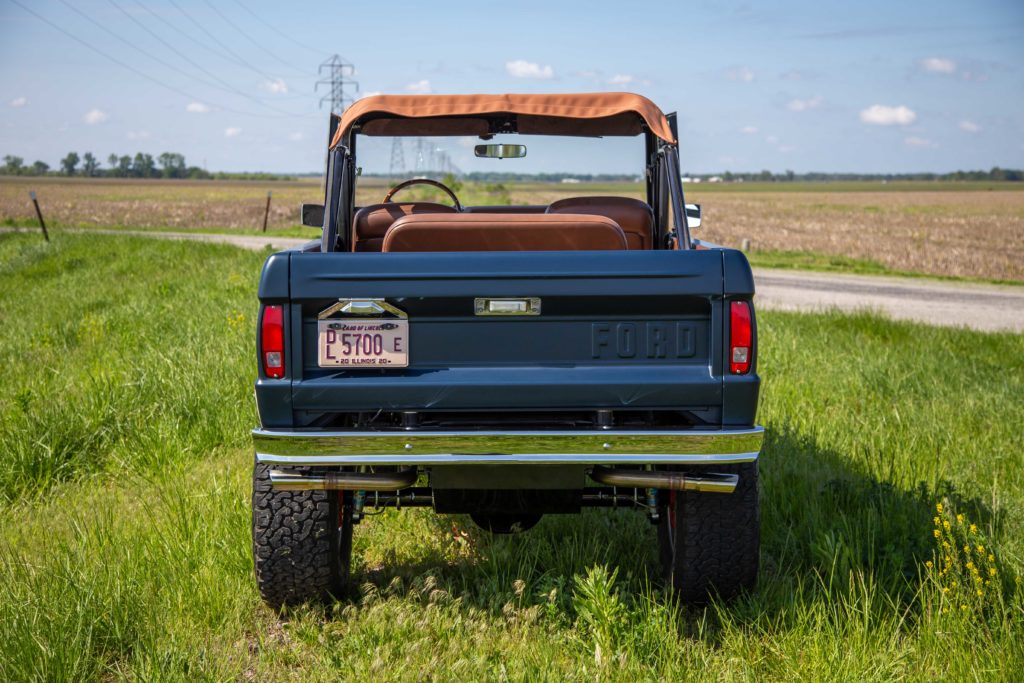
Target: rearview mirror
x: 500, y: 151
x: 312, y: 215
x: 693, y: 216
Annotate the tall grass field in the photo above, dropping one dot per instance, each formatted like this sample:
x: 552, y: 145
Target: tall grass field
x: 893, y: 509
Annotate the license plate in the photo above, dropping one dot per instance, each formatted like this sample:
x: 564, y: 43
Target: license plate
x: 365, y: 343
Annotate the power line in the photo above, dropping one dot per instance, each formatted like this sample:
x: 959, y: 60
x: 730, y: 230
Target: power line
x: 276, y: 29
x: 252, y: 40
x: 208, y: 48
x: 234, y: 56
x: 188, y: 59
x: 139, y: 72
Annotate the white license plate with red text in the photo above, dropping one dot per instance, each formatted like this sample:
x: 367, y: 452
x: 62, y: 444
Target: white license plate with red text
x: 363, y: 343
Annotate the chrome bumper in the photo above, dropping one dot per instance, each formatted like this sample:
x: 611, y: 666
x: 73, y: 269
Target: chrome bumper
x: 591, y: 447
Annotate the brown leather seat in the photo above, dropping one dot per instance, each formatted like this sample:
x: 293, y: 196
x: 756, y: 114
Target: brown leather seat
x: 634, y: 216
x: 371, y: 223
x: 504, y: 232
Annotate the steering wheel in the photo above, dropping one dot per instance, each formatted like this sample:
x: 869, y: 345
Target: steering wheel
x: 423, y: 181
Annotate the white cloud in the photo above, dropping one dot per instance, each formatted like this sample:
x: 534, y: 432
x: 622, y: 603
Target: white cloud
x: 296, y: 137
x: 938, y: 65
x: 621, y: 79
x: 95, y: 116
x: 742, y: 74
x: 520, y: 68
x: 969, y: 127
x: 232, y: 132
x: 804, y: 105
x: 748, y: 130
x: 19, y: 101
x: 919, y: 142
x: 139, y: 135
x: 882, y: 115
x: 197, y: 108
x: 422, y: 86
x: 771, y: 139
x: 276, y: 86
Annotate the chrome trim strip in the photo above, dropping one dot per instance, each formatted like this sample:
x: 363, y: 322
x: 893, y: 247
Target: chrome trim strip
x: 676, y: 447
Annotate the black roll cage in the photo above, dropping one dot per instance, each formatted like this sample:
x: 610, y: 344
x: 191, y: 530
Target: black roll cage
x: 662, y: 176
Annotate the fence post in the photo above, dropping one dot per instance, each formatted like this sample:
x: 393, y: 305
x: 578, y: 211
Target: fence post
x: 266, y: 213
x: 39, y: 213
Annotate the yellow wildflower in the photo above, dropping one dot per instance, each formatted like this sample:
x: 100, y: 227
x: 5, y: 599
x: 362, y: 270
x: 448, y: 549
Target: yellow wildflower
x: 991, y: 558
x: 973, y: 528
x: 991, y: 571
x: 945, y: 590
x: 959, y: 519
x: 947, y: 546
x: 928, y: 564
x: 936, y: 533
x: 980, y: 549
x: 970, y: 565
x: 945, y: 525
x: 935, y: 521
x: 967, y: 549
x: 938, y: 508
x: 963, y: 606
x: 980, y: 592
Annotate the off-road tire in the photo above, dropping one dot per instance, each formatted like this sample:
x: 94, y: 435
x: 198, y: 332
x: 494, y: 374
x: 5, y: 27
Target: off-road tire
x: 301, y: 543
x: 714, y: 547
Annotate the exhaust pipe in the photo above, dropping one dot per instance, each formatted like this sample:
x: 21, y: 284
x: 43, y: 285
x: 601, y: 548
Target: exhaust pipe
x: 343, y: 481
x: 712, y: 482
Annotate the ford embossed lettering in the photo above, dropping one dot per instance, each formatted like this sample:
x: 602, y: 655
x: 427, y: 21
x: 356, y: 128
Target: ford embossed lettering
x: 363, y: 343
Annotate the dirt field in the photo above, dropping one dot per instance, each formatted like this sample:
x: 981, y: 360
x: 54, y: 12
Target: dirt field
x: 971, y: 233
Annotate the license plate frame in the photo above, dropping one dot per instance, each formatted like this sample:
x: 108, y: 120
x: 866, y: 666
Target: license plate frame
x: 371, y: 343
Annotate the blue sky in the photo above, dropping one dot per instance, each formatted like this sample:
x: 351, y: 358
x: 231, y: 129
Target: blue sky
x: 868, y: 86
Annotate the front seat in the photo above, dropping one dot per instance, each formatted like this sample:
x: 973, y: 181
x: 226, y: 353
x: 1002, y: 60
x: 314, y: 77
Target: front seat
x: 371, y: 223
x: 634, y: 216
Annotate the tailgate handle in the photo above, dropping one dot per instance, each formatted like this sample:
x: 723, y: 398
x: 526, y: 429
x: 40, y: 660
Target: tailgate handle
x: 516, y: 306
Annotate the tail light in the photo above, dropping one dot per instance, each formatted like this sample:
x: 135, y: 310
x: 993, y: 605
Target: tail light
x: 272, y: 341
x: 740, y: 338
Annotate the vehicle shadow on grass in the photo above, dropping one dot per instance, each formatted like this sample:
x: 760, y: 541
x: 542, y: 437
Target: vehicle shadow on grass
x: 825, y: 519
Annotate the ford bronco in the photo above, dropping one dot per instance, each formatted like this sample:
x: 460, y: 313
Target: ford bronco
x: 501, y: 361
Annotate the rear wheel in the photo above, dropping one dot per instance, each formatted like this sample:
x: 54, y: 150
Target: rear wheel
x: 302, y: 542
x: 709, y: 543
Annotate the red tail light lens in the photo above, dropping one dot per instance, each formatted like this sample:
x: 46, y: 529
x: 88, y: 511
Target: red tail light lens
x: 740, y: 338
x: 272, y: 341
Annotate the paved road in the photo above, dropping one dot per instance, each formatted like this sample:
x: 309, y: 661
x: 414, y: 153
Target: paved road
x: 982, y: 307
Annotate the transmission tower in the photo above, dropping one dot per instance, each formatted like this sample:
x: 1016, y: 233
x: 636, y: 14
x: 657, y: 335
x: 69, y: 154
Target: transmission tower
x: 338, y: 78
x: 397, y: 167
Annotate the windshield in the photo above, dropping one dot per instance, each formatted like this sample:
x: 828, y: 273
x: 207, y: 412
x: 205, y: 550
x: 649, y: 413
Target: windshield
x: 554, y: 167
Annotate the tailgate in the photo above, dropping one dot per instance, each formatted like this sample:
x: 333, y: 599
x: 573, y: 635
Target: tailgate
x: 617, y: 330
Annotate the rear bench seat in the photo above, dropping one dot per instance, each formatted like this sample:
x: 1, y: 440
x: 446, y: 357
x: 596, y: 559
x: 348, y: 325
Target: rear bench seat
x: 503, y: 232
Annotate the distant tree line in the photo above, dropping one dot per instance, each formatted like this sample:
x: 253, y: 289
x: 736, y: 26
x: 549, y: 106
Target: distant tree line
x: 166, y: 165
x: 996, y: 173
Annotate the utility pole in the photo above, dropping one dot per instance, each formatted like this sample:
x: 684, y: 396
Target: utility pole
x: 338, y: 78
x: 397, y: 166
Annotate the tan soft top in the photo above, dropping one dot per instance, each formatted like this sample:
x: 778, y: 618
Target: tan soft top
x: 612, y: 113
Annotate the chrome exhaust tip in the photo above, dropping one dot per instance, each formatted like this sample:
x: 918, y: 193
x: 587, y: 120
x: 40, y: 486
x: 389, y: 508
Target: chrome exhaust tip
x: 711, y: 482
x: 343, y: 481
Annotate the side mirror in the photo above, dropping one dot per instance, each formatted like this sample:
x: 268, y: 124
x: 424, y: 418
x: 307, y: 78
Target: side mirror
x: 693, y: 215
x: 312, y: 215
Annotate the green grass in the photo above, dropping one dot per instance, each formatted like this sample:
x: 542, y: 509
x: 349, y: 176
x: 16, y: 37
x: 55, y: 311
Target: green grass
x: 831, y: 263
x: 125, y: 548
